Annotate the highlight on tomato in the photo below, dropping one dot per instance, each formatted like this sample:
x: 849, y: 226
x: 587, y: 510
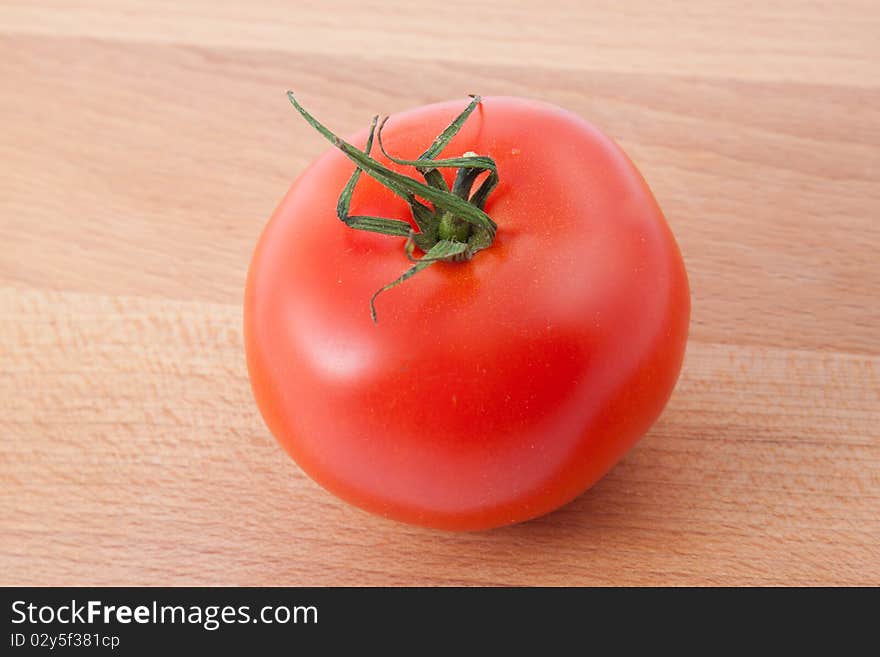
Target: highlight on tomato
x: 464, y: 316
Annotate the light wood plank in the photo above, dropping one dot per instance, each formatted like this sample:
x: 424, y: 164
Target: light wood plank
x: 150, y: 170
x: 155, y: 468
x: 144, y: 145
x: 778, y: 41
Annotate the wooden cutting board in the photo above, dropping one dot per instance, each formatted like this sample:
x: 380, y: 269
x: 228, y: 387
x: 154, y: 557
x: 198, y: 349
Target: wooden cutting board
x: 143, y: 148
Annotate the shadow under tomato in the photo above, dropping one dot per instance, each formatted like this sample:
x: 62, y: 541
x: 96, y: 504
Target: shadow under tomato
x: 642, y: 492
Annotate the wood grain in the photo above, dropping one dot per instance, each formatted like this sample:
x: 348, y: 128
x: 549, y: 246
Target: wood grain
x: 785, y: 41
x: 145, y: 146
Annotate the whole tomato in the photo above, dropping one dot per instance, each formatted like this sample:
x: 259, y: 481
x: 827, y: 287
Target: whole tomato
x: 517, y: 365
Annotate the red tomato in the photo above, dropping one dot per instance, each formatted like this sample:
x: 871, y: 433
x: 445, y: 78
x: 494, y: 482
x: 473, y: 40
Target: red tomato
x: 490, y: 391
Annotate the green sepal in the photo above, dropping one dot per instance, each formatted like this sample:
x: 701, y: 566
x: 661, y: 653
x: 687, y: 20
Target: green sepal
x: 403, y: 186
x: 454, y: 230
x: 381, y: 225
x: 442, y: 250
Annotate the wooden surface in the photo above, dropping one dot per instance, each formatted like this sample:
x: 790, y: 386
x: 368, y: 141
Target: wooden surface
x: 144, y: 146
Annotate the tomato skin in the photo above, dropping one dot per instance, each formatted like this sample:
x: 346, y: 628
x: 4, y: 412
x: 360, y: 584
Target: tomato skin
x: 492, y: 391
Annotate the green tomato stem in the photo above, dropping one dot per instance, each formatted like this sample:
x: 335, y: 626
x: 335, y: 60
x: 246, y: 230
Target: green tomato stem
x: 454, y: 228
